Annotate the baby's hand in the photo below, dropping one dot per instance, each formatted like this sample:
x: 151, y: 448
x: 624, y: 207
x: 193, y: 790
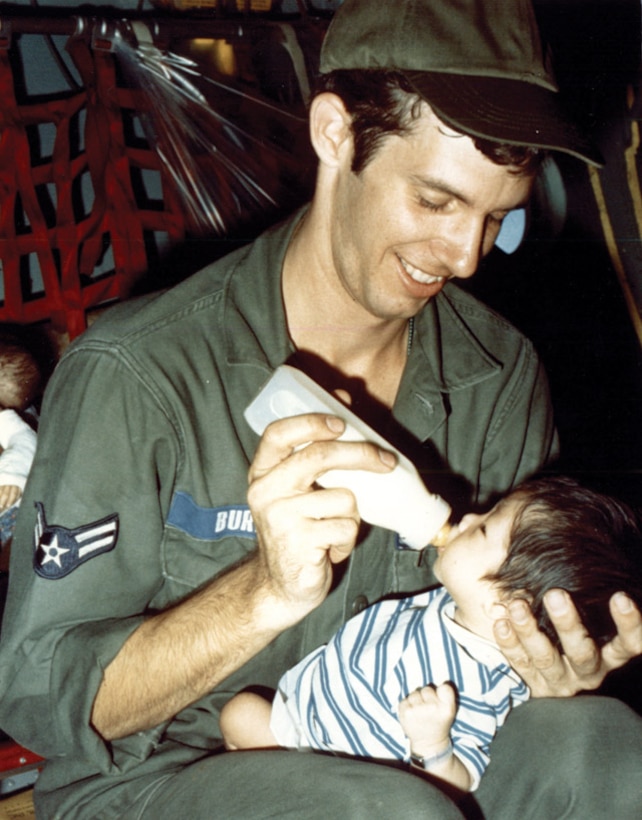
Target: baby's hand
x: 9, y: 494
x: 427, y: 715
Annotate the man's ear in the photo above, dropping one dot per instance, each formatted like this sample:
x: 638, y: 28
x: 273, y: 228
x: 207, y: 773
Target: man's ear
x: 330, y: 131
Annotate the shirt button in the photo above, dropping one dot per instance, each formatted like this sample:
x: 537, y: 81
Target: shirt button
x: 358, y: 605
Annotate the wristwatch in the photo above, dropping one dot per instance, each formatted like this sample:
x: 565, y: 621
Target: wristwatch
x: 427, y: 763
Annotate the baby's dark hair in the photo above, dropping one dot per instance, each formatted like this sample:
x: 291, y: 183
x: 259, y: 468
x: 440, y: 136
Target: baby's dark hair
x: 20, y: 374
x: 573, y: 538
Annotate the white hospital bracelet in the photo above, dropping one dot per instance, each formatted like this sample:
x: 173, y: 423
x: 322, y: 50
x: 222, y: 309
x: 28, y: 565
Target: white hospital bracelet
x: 427, y: 763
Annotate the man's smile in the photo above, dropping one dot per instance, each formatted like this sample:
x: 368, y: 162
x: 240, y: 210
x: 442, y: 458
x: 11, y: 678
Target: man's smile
x: 419, y: 276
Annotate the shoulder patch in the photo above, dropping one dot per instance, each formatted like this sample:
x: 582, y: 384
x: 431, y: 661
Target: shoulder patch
x: 59, y: 551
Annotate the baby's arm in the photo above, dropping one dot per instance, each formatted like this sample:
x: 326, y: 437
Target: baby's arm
x: 9, y: 494
x: 426, y: 716
x: 18, y: 443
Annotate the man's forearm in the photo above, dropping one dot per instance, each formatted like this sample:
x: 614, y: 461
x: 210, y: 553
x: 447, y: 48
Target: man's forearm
x: 176, y: 657
x: 179, y: 655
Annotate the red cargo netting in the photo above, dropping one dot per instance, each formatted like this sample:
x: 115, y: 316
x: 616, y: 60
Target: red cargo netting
x: 43, y: 220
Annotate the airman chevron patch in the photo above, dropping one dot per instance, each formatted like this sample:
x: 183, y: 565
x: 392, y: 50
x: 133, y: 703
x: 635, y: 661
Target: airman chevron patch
x: 59, y: 551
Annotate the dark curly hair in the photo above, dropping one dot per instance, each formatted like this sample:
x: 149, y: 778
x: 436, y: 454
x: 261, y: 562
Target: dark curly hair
x: 569, y: 537
x: 383, y: 103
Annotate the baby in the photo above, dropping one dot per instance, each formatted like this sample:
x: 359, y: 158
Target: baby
x: 420, y: 679
x: 20, y: 381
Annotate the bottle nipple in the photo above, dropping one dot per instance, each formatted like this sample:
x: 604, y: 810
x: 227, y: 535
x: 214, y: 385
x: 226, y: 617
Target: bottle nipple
x: 442, y: 536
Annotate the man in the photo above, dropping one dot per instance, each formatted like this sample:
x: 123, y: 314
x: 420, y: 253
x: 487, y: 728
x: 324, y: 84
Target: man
x: 154, y: 593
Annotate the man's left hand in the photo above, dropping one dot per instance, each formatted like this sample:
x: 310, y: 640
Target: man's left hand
x: 581, y: 665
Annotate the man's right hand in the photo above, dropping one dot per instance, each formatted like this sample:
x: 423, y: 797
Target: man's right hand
x: 165, y: 665
x: 303, y: 530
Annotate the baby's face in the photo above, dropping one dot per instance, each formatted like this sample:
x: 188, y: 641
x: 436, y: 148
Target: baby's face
x: 476, y: 547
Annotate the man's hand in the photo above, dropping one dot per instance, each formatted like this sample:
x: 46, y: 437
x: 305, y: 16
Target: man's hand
x: 303, y: 530
x: 582, y: 665
x: 183, y: 652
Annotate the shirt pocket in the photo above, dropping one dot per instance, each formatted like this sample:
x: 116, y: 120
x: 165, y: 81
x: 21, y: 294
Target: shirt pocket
x: 200, y: 543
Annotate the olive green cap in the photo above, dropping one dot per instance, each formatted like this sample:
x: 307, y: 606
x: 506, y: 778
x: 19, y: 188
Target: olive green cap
x: 479, y: 64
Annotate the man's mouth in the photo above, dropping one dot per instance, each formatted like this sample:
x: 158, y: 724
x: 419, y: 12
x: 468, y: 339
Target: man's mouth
x: 419, y: 276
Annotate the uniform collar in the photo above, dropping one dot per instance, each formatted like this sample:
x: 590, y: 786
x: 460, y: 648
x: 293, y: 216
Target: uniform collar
x: 456, y: 356
x: 446, y: 357
x: 254, y: 314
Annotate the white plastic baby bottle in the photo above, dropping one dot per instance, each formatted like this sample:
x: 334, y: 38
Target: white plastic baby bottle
x: 397, y: 500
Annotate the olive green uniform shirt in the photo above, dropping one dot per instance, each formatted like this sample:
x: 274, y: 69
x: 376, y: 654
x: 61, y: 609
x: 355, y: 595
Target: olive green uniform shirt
x: 142, y: 430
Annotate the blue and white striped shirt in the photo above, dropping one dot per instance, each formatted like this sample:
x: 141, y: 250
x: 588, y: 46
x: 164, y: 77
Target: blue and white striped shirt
x: 344, y: 696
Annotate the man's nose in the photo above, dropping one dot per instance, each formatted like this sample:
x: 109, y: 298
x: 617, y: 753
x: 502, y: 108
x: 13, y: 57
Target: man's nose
x: 461, y: 250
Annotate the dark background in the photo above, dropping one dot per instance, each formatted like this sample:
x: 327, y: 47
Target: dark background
x: 561, y: 287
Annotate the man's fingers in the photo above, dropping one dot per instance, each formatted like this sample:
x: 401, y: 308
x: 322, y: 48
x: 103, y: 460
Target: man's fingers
x: 282, y: 437
x: 511, y: 646
x: 325, y: 504
x: 581, y: 664
x: 628, y: 642
x: 581, y: 652
x: 301, y: 529
x: 628, y: 620
x: 335, y: 536
x: 530, y: 652
x: 311, y: 462
x: 324, y: 517
x: 298, y: 473
x: 303, y: 448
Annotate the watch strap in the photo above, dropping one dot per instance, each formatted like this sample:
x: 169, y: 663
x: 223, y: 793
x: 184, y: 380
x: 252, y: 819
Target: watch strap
x: 427, y: 763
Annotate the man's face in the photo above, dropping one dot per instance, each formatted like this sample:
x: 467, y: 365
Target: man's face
x: 476, y: 548
x: 426, y: 208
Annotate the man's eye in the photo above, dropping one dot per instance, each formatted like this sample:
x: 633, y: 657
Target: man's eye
x: 431, y: 206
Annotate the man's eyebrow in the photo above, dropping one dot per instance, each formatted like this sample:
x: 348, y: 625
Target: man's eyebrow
x: 442, y: 187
